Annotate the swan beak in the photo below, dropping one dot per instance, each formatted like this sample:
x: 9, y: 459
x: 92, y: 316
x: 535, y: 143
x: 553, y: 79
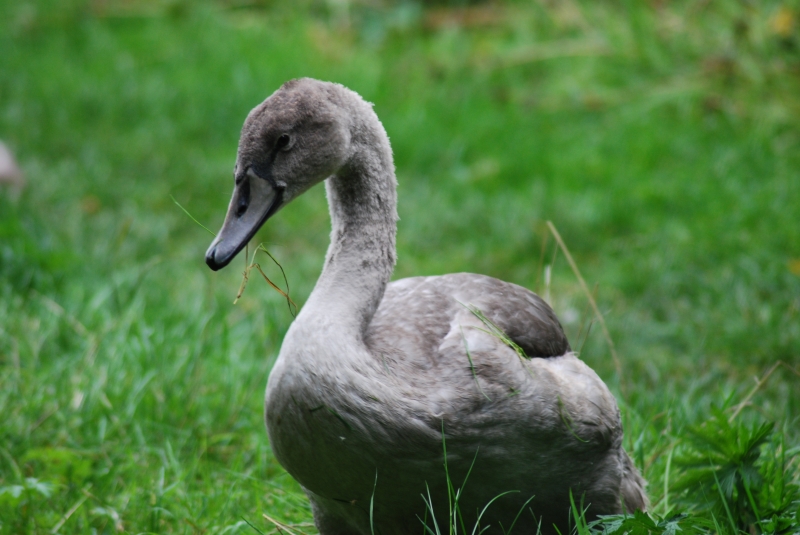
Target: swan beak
x: 254, y: 200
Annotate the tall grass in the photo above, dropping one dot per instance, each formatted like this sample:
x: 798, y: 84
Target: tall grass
x: 662, y: 140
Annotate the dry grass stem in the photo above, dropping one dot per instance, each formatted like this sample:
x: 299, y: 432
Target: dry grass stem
x: 70, y: 512
x: 252, y: 264
x: 759, y: 383
x: 59, y: 311
x: 591, y: 322
x: 281, y: 527
x: 540, y: 266
x: 560, y: 49
x: 597, y: 313
x: 245, y: 273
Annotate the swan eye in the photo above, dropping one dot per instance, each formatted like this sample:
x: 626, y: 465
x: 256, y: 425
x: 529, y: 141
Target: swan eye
x: 284, y: 142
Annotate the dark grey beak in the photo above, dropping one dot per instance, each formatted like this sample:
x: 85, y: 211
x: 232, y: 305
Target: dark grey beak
x: 254, y: 200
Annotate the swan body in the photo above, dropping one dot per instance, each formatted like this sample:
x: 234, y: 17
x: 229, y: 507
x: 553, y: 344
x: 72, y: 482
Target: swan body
x: 382, y: 391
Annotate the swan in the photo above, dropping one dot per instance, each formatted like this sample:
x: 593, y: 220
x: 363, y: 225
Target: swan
x: 385, y: 393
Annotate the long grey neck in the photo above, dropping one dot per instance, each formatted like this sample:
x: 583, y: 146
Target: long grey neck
x: 362, y: 199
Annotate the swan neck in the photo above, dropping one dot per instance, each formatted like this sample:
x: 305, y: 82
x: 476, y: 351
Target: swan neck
x: 362, y: 199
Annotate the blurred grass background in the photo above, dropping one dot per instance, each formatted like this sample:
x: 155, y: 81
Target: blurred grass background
x: 662, y: 138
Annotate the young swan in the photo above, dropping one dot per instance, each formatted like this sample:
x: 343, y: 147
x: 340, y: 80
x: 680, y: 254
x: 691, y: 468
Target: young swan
x: 375, y: 381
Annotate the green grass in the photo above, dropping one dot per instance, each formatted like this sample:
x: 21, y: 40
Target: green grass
x: 662, y: 139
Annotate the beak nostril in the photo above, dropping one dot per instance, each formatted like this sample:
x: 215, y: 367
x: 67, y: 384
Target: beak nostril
x: 244, y: 198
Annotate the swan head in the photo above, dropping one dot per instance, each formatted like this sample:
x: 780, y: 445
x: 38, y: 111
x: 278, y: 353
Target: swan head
x: 297, y: 137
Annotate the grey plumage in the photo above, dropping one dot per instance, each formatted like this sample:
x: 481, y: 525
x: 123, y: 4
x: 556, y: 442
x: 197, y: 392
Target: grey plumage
x: 374, y: 379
